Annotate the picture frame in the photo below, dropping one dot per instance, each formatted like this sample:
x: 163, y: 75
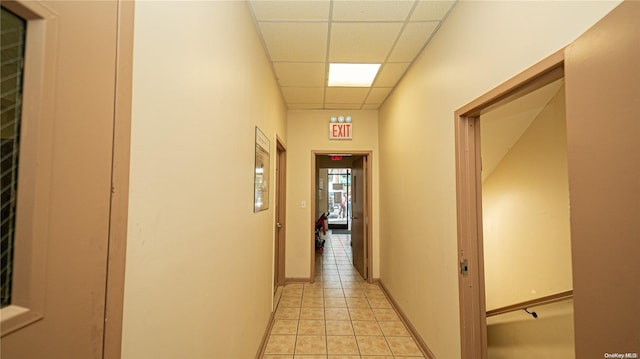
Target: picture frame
x: 261, y: 172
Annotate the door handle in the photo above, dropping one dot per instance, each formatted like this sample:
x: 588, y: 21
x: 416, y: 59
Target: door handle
x: 354, y: 217
x: 279, y: 225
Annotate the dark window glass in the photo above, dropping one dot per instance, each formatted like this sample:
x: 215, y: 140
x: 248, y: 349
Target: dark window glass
x: 12, y: 46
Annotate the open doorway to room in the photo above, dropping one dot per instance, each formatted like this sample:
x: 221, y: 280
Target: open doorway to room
x: 526, y: 232
x: 514, y: 237
x: 280, y: 222
x: 342, y: 196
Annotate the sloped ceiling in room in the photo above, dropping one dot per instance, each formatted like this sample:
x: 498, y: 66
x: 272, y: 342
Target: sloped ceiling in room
x: 502, y: 127
x: 301, y: 38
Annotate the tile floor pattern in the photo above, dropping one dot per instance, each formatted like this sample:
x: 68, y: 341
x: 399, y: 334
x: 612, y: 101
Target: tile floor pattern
x: 340, y: 316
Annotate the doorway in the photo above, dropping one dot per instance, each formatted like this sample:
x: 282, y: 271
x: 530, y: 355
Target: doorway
x: 351, y: 181
x: 280, y: 224
x: 602, y: 147
x: 602, y: 107
x: 526, y: 226
x: 514, y: 240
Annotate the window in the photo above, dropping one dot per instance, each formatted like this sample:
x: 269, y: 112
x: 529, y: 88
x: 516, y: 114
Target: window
x: 13, y: 44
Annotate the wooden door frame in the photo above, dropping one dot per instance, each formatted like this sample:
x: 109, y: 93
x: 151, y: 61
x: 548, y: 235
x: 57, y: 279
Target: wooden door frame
x: 473, y: 328
x: 119, y: 212
x: 368, y: 240
x: 280, y: 245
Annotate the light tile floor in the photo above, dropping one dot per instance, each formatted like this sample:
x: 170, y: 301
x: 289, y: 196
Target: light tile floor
x: 340, y: 316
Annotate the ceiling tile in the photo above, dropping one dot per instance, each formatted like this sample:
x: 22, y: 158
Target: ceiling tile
x: 291, y: 10
x: 390, y: 74
x: 349, y: 10
x: 378, y: 95
x: 346, y: 94
x: 300, y: 74
x: 297, y: 95
x: 305, y: 106
x: 431, y: 10
x: 295, y: 32
x: 412, y: 40
x: 362, y: 42
x: 295, y: 41
x: 342, y: 106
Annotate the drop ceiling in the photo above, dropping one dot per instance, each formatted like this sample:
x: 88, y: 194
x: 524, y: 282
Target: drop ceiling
x: 301, y: 38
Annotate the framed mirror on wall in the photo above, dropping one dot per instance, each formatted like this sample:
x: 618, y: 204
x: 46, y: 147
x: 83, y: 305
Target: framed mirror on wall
x: 261, y: 174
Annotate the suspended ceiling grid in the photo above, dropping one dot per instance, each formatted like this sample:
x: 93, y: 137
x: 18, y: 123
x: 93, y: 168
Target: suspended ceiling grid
x: 301, y: 38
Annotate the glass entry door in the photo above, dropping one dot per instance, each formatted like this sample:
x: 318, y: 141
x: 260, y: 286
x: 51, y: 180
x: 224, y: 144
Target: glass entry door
x: 339, y: 198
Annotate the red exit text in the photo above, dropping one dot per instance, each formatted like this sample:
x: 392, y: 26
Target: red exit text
x: 340, y: 131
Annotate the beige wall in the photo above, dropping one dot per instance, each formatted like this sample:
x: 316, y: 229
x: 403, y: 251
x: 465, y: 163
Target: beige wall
x: 199, y: 261
x: 309, y: 131
x: 527, y: 243
x: 481, y: 45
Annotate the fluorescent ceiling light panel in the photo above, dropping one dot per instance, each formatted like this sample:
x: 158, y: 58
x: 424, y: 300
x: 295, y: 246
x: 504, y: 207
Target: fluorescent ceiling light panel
x: 352, y: 75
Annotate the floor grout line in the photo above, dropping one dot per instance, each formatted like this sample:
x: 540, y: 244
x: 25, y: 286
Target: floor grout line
x: 334, y: 260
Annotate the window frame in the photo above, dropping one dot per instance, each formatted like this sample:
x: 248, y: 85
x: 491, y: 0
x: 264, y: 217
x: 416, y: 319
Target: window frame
x: 35, y: 164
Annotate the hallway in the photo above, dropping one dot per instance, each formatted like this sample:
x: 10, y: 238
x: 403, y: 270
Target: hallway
x: 338, y: 316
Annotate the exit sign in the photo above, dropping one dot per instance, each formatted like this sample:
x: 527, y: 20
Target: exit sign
x: 340, y: 131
